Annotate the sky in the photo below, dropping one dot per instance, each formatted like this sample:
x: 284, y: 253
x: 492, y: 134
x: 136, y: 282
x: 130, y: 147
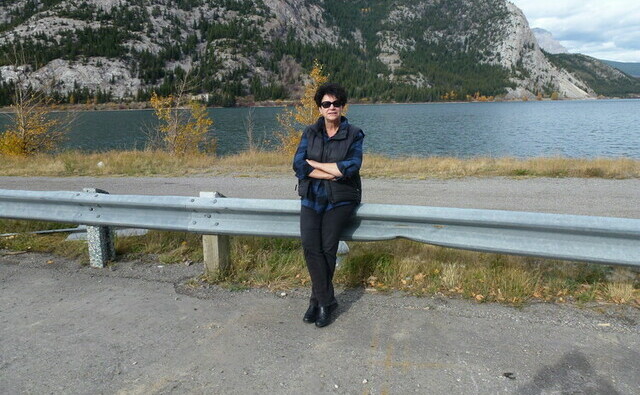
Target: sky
x: 604, y: 29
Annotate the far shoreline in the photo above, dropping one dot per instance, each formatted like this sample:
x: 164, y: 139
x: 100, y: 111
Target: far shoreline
x: 142, y: 106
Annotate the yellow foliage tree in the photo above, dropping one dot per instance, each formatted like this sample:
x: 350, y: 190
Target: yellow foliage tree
x: 305, y: 113
x: 481, y: 98
x: 183, y: 124
x: 33, y: 128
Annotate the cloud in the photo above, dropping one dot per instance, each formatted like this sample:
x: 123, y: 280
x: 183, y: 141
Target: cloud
x: 606, y: 29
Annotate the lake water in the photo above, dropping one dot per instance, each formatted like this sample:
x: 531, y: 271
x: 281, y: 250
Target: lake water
x: 593, y: 128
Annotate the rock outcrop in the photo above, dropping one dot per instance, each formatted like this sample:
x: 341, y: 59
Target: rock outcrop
x: 547, y: 42
x: 519, y: 50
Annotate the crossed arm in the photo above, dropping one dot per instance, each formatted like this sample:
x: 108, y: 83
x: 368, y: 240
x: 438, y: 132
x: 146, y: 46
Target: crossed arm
x: 324, y: 171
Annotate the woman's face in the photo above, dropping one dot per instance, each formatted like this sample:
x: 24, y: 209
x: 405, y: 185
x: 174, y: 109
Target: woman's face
x: 331, y: 114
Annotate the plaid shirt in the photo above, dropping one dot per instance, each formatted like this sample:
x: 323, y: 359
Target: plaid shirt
x: 317, y: 198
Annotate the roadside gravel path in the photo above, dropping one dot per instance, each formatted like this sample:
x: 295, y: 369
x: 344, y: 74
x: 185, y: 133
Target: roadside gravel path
x: 581, y: 196
x: 145, y: 328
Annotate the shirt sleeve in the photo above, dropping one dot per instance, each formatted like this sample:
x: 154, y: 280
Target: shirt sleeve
x: 352, y: 162
x: 300, y: 165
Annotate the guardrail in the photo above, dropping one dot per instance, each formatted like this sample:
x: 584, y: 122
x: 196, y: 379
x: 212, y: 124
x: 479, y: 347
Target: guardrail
x: 569, y: 237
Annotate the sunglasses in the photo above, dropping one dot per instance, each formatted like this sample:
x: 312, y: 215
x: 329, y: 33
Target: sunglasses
x: 327, y: 104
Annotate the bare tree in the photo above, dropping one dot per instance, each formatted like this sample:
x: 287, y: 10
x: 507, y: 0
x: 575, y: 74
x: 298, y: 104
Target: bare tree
x: 248, y: 127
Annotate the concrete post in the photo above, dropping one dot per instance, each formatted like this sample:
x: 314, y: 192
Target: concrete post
x: 100, y: 240
x: 216, y: 249
x: 343, y: 250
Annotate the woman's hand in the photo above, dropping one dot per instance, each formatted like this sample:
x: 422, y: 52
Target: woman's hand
x: 330, y: 168
x: 313, y: 163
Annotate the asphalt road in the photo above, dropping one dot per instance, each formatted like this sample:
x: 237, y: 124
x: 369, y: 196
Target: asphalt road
x: 581, y: 196
x: 144, y: 328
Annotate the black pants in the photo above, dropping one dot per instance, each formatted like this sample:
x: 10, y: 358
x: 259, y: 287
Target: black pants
x: 320, y: 237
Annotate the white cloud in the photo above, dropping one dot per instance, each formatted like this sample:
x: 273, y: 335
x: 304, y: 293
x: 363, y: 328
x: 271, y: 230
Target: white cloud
x: 605, y: 29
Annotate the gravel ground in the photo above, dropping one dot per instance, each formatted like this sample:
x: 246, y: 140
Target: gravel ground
x: 138, y: 328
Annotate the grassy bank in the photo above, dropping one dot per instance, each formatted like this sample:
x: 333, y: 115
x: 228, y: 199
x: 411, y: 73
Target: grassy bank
x: 261, y: 163
x: 415, y: 268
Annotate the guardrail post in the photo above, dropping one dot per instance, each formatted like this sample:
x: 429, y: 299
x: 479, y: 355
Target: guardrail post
x: 343, y: 250
x: 216, y: 249
x: 100, y: 240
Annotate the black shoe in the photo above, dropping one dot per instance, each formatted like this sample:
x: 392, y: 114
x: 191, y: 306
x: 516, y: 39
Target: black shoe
x: 324, y: 315
x: 311, y: 314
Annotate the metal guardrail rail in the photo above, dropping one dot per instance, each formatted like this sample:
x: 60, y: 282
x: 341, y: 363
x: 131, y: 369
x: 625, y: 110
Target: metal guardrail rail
x: 568, y: 237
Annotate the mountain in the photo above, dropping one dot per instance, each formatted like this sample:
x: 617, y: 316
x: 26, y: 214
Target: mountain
x: 604, y: 79
x: 547, y: 42
x: 633, y: 69
x: 381, y: 50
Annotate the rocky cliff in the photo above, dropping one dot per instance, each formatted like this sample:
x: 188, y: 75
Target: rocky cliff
x: 547, y: 42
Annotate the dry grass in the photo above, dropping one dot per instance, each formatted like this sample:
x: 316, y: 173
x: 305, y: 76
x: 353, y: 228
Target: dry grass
x: 620, y: 292
x: 111, y: 163
x: 53, y: 243
x: 166, y: 247
x: 421, y: 269
x: 448, y: 167
x: 261, y: 163
x: 255, y: 163
x: 450, y: 276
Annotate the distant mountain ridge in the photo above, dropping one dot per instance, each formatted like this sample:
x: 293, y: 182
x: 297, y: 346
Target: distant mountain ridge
x: 382, y: 50
x: 604, y: 79
x: 631, y: 68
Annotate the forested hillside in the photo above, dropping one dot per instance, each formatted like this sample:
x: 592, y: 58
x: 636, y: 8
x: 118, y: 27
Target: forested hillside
x: 631, y: 68
x: 604, y: 79
x: 382, y: 50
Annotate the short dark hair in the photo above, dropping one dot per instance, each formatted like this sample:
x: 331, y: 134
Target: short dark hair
x: 333, y: 89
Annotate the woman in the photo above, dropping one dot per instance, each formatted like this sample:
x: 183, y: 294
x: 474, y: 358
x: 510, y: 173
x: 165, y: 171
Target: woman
x: 327, y: 164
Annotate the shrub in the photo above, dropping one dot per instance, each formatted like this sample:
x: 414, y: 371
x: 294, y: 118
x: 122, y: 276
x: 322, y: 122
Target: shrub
x: 33, y: 128
x: 182, y: 130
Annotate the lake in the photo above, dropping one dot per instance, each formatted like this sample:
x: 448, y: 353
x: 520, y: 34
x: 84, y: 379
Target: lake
x: 590, y: 128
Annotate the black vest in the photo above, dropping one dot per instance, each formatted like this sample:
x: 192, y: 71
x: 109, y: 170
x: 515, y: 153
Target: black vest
x: 334, y: 150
